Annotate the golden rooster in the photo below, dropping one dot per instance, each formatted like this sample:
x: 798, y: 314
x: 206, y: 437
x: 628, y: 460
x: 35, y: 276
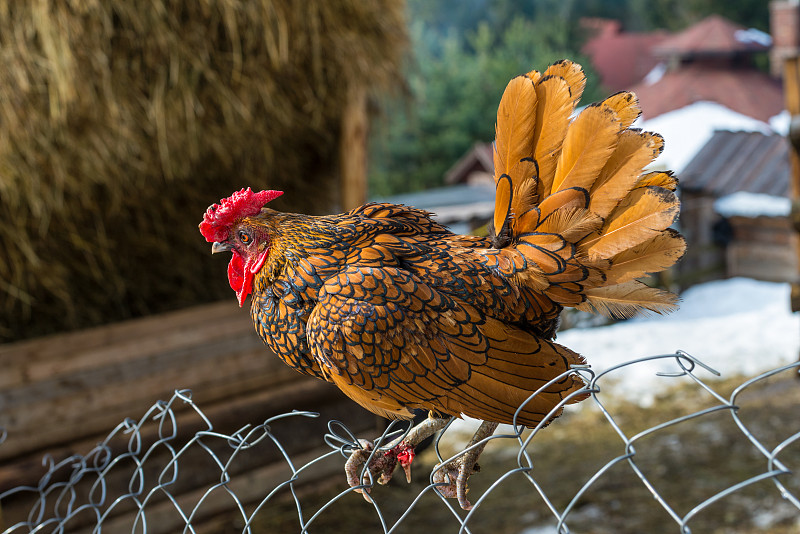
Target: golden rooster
x: 402, y: 314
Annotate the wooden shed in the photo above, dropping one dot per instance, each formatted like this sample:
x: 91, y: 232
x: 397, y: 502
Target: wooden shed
x: 720, y: 246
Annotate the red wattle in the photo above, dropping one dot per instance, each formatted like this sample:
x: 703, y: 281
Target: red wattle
x: 241, y: 274
x: 236, y: 272
x: 240, y: 278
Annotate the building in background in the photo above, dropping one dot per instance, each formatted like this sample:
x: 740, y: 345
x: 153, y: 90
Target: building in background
x: 735, y: 209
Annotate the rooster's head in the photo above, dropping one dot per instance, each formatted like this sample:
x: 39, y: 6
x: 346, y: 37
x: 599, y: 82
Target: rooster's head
x: 230, y: 226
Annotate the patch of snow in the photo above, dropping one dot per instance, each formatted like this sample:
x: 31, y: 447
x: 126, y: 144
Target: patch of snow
x: 655, y: 74
x: 752, y: 35
x: 736, y: 326
x: 780, y: 122
x: 746, y: 204
x: 688, y: 129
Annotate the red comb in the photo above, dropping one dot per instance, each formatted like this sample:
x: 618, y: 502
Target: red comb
x: 241, y: 204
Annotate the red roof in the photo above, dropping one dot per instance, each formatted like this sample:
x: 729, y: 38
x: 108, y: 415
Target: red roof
x: 620, y: 58
x: 712, y: 35
x: 747, y: 91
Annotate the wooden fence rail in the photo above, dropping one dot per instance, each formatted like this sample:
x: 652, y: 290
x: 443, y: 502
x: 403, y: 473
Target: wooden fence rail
x: 62, y: 394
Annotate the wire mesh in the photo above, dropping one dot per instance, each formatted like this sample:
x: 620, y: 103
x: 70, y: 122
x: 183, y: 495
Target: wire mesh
x: 138, y: 481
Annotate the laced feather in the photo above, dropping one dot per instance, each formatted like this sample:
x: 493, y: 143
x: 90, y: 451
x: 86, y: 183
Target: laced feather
x: 514, y: 141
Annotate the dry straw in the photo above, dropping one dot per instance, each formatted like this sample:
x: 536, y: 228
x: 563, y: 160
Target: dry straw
x: 121, y: 120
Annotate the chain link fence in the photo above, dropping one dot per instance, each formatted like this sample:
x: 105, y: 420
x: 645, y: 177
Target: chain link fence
x: 131, y: 488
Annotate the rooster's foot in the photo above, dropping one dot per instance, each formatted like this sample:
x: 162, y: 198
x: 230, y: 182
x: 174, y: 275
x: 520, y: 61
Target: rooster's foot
x: 383, y: 462
x: 381, y: 466
x: 452, y: 477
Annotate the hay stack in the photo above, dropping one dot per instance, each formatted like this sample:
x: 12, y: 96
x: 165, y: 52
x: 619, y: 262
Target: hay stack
x: 121, y: 120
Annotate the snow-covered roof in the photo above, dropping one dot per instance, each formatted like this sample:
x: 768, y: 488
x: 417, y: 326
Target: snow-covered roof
x: 714, y: 35
x: 688, y: 129
x: 744, y: 204
x: 739, y: 161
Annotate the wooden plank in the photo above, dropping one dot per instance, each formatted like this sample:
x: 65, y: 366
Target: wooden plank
x: 227, y: 415
x: 72, y: 406
x: 29, y: 361
x: 791, y: 91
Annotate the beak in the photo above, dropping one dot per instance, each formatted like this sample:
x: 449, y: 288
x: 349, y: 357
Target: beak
x: 220, y: 247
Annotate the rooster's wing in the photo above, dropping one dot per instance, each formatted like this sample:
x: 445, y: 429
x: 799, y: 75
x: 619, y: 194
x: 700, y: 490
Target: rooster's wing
x: 393, y: 343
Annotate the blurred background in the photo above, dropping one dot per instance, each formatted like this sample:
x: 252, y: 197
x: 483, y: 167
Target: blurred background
x: 122, y: 120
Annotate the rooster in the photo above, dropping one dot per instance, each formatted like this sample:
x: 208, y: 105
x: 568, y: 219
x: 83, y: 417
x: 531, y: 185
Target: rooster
x: 403, y: 315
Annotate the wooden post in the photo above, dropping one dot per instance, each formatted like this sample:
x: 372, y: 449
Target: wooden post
x: 791, y: 87
x: 353, y: 149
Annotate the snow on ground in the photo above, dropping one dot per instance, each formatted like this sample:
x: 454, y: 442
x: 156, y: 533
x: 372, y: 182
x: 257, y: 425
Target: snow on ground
x: 737, y: 326
x: 746, y: 204
x: 681, y: 144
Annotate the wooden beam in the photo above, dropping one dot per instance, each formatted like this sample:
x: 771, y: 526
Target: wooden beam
x: 353, y: 149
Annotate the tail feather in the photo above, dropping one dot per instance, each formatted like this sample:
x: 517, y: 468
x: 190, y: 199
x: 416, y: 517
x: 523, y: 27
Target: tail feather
x: 552, y: 119
x: 515, y: 124
x: 625, y: 300
x: 590, y: 140
x: 652, y: 256
x: 658, y: 179
x: 626, y: 107
x: 621, y: 172
x: 574, y: 199
x: 514, y: 142
x: 643, y: 214
x: 572, y: 74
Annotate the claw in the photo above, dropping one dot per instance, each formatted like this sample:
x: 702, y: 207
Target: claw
x: 453, y: 477
x: 353, y: 465
x: 452, y: 480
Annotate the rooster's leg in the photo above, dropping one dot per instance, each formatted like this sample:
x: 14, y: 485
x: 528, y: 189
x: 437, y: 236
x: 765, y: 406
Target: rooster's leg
x: 454, y: 475
x: 383, y: 463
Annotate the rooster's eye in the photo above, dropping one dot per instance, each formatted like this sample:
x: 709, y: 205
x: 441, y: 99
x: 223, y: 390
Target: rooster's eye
x: 244, y: 237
